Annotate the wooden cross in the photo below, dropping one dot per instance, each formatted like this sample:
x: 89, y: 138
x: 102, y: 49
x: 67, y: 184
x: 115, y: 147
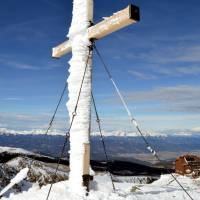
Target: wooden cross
x: 77, y: 44
x: 111, y: 24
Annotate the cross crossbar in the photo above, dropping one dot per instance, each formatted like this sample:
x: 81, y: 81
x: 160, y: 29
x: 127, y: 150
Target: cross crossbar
x: 117, y: 21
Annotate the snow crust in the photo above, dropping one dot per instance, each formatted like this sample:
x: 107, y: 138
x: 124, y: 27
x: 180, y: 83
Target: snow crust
x: 79, y: 134
x: 101, y: 189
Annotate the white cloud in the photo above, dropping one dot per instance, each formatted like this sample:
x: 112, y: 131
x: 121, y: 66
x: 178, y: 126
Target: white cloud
x: 29, y: 122
x: 18, y: 65
x: 10, y: 61
x: 168, y: 55
x: 142, y: 75
x: 184, y: 98
x: 180, y: 71
x: 196, y: 129
x: 190, y: 70
x: 162, y: 55
x: 12, y: 99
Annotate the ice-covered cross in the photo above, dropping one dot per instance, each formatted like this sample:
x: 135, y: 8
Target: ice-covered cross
x: 80, y: 35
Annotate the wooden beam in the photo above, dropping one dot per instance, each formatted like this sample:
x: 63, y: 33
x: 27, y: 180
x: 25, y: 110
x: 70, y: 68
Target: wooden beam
x: 114, y: 23
x: 117, y: 21
x: 86, y: 166
x: 86, y: 159
x: 61, y: 49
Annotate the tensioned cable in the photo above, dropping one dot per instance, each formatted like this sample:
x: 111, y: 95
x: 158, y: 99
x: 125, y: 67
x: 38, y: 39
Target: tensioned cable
x: 102, y: 140
x: 72, y: 120
x: 58, y: 104
x: 51, y: 121
x: 134, y: 122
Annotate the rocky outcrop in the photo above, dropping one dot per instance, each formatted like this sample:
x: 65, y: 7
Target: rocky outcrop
x: 40, y: 172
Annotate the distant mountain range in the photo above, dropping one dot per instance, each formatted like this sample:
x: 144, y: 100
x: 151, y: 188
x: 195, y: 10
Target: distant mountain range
x: 118, y: 147
x: 119, y: 133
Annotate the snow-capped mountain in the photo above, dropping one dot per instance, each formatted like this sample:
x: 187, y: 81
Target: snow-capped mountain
x: 118, y: 133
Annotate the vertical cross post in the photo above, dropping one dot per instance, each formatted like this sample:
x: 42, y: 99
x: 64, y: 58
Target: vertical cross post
x: 80, y: 61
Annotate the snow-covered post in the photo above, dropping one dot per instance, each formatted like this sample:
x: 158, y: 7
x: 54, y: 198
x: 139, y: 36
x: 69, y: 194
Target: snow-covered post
x: 80, y: 34
x: 80, y: 131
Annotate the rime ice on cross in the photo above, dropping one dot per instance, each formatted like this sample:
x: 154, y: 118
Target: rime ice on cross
x: 80, y: 34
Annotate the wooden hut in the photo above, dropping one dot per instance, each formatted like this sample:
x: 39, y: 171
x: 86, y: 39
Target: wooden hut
x: 188, y: 165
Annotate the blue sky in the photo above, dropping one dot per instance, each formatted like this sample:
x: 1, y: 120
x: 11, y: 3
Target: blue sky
x: 156, y: 64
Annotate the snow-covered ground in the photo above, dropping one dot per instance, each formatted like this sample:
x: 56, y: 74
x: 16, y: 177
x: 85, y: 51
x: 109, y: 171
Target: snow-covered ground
x: 101, y: 189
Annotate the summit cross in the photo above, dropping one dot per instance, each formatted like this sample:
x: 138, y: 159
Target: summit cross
x: 80, y: 35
